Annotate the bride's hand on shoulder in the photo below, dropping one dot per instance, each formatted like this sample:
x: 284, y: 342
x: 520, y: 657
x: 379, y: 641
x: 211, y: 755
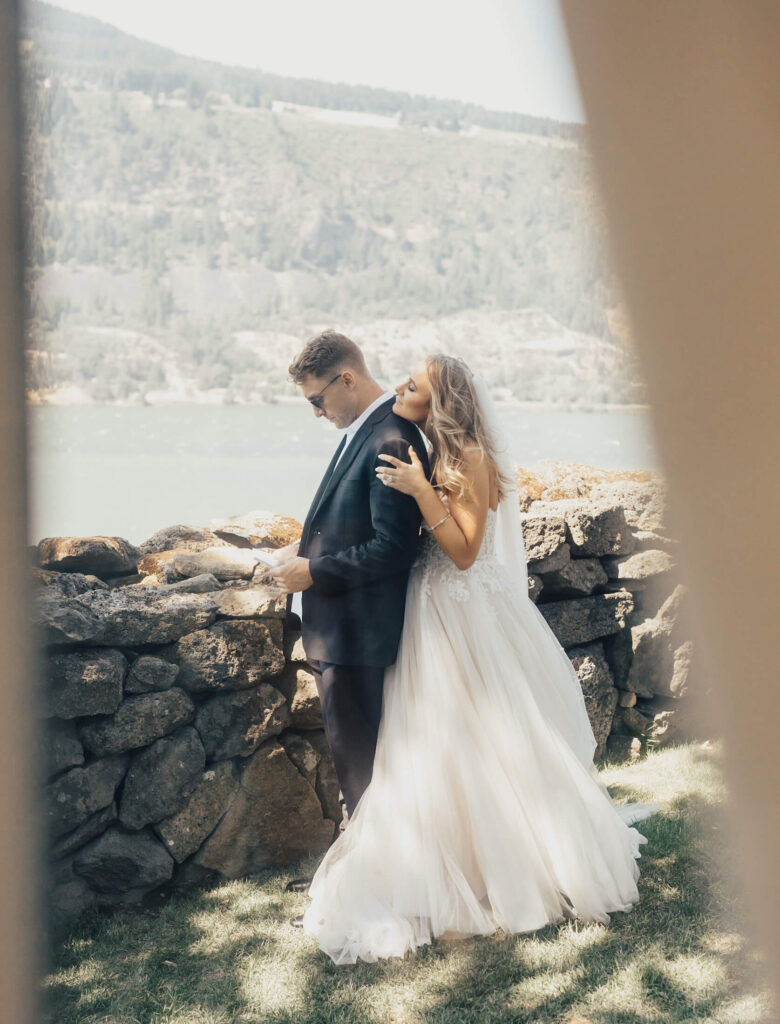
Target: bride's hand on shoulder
x: 407, y: 477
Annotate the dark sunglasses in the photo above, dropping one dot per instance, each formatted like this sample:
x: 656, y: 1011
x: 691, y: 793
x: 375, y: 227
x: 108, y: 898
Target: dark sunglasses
x: 316, y: 400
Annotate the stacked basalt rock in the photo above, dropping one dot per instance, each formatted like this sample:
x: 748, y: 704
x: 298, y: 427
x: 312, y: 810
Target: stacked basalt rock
x: 181, y: 727
x: 181, y: 731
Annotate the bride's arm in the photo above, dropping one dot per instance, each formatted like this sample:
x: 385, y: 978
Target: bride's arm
x: 460, y: 535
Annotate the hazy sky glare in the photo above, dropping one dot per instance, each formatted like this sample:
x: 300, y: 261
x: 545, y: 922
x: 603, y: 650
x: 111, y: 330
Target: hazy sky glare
x: 501, y: 54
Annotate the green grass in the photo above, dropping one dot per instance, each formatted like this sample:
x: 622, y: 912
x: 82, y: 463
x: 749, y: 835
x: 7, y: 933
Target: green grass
x: 229, y: 956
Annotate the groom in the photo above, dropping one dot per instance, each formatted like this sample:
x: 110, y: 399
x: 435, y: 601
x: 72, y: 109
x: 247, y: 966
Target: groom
x: 353, y: 559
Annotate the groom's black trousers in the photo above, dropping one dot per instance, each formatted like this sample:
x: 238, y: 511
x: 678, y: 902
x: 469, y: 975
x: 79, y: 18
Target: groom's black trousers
x: 351, y: 699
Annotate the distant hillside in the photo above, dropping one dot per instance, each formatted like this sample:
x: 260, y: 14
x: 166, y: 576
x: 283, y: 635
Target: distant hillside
x: 86, y: 49
x: 179, y: 206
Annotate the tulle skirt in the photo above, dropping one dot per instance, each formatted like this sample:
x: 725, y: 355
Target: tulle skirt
x: 480, y: 814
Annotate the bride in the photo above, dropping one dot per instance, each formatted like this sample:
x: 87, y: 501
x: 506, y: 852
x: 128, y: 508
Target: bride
x: 484, y: 809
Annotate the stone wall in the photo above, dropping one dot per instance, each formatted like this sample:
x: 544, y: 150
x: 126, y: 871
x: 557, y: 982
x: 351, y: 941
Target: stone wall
x: 182, y: 732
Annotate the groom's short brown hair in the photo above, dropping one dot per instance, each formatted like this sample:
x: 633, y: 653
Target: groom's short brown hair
x: 324, y: 353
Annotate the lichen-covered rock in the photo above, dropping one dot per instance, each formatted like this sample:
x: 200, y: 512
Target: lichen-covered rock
x: 637, y: 724
x: 230, y: 655
x: 258, y: 529
x: 86, y: 682
x: 139, y: 720
x: 203, y: 584
x: 73, y: 797
x: 161, y: 777
x: 646, y: 540
x: 275, y: 818
x: 234, y: 724
x: 587, y: 618
x: 148, y: 674
x: 118, y: 862
x: 184, y: 832
x: 624, y: 748
x: 99, y: 556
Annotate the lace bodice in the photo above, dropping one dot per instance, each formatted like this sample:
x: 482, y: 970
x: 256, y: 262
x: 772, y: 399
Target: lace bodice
x: 437, y: 568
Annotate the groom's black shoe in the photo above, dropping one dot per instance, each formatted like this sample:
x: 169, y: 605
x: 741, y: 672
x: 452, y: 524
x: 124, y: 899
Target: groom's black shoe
x: 297, y: 922
x: 298, y: 885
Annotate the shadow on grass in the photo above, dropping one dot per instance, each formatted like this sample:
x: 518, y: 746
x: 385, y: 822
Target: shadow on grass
x: 234, y: 958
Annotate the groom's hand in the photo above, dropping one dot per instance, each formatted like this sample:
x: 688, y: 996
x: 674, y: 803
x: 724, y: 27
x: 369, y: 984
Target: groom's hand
x: 293, y: 575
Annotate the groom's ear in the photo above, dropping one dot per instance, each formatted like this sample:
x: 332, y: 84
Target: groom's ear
x: 348, y: 376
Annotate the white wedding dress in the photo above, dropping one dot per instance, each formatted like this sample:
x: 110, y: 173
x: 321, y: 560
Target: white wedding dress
x: 484, y: 806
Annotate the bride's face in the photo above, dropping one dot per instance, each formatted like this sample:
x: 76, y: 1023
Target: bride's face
x: 413, y: 397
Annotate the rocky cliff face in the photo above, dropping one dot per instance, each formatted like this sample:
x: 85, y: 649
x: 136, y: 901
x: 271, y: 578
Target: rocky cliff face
x: 181, y: 728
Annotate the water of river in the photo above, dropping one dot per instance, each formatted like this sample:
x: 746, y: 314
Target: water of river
x: 129, y: 471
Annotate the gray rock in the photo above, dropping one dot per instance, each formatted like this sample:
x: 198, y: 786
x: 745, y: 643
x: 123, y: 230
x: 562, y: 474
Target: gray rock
x: 85, y: 682
x: 644, y: 503
x: 655, y: 666
x: 148, y: 674
x: 627, y: 699
x: 67, y: 902
x: 161, y: 778
x: 251, y: 602
x: 593, y: 528
x: 203, y: 584
x: 646, y: 540
x: 119, y: 862
x: 582, y: 619
x: 99, y: 556
x: 234, y: 724
x: 258, y: 529
x: 66, y: 584
x: 75, y: 796
x: 92, y: 827
x: 535, y: 586
x: 302, y: 754
x: 293, y: 647
x: 600, y: 695
x: 230, y: 655
x: 274, y: 818
x: 185, y: 538
x: 145, y: 617
x: 60, y: 745
x: 327, y: 785
x: 122, y: 618
x: 619, y: 651
x: 544, y: 539
x: 138, y: 721
x: 639, y: 567
x: 184, y: 832
x: 63, y: 621
x: 578, y: 578
x: 300, y: 690
x: 637, y: 724
x: 627, y: 748
x: 226, y: 563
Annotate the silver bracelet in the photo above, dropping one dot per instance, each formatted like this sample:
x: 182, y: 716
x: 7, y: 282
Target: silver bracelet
x: 444, y: 520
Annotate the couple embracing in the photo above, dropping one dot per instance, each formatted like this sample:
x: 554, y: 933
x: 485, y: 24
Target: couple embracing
x: 456, y: 721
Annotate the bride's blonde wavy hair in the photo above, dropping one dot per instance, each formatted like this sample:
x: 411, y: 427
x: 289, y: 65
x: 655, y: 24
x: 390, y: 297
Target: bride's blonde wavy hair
x: 455, y: 423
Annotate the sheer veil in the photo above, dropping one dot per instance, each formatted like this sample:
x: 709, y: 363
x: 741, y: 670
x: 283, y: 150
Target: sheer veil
x: 571, y: 712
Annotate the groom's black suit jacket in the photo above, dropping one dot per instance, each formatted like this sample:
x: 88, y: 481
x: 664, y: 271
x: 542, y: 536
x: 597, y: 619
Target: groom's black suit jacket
x: 361, y: 537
